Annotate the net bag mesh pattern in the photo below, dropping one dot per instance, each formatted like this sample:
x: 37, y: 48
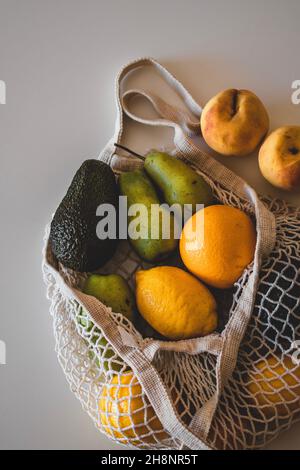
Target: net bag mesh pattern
x: 153, y: 394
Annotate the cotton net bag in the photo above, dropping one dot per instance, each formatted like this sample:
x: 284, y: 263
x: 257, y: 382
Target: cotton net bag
x: 237, y: 388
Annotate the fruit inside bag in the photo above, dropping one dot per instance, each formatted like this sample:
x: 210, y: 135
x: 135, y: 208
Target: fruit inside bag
x: 236, y: 388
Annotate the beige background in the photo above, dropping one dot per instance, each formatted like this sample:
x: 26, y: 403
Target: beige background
x: 59, y: 60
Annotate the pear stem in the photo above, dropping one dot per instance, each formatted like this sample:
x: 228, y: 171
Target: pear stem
x: 130, y: 151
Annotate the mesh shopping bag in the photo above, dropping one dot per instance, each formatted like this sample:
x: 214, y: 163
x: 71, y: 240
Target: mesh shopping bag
x: 234, y: 389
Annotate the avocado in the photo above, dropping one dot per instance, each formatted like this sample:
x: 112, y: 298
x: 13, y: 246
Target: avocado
x: 73, y: 236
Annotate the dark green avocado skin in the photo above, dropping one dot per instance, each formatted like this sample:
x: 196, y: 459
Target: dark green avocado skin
x: 73, y: 236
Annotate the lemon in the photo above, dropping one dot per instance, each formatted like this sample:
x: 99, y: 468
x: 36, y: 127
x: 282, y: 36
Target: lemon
x: 276, y: 383
x: 126, y: 414
x: 175, y: 303
x: 217, y: 244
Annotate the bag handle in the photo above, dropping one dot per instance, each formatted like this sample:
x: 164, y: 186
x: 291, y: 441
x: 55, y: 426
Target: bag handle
x: 185, y: 126
x: 191, y: 104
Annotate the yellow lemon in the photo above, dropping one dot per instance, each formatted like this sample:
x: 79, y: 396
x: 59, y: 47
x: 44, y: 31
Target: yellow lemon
x: 274, y: 381
x: 126, y: 413
x: 217, y: 244
x: 175, y: 303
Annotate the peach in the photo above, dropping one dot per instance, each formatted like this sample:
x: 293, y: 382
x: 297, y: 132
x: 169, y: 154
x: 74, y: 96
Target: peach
x: 234, y: 122
x: 279, y: 158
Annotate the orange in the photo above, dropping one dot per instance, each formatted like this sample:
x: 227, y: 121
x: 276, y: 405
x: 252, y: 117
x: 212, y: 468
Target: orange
x: 175, y: 303
x: 126, y: 413
x: 217, y: 244
x: 275, y: 385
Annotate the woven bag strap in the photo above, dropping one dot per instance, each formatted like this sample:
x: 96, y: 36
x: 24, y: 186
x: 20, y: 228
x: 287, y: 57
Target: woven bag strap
x: 185, y: 125
x: 189, y: 101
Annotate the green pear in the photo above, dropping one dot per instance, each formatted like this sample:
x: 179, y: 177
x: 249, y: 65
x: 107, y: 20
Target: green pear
x: 114, y: 292
x: 177, y: 181
x: 140, y: 190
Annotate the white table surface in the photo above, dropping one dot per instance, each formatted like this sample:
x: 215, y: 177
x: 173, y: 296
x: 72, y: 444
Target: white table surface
x: 59, y: 60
